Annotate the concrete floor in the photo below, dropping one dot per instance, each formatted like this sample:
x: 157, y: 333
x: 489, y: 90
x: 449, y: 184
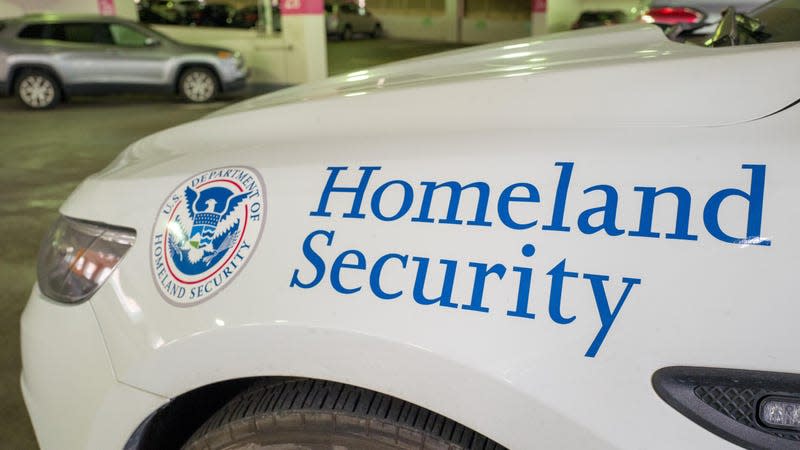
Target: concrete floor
x: 45, y: 154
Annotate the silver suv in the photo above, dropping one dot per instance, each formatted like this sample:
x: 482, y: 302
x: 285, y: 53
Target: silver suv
x: 45, y: 58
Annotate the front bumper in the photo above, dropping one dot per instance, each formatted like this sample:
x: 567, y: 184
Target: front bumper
x: 235, y: 84
x: 68, y: 383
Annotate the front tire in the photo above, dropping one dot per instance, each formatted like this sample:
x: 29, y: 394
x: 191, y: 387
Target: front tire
x: 198, y: 85
x: 377, y: 32
x: 37, y: 89
x: 347, y: 33
x: 317, y: 415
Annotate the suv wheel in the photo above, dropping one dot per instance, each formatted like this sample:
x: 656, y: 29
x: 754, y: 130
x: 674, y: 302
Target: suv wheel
x: 347, y: 33
x: 37, y: 89
x: 377, y: 32
x: 198, y: 85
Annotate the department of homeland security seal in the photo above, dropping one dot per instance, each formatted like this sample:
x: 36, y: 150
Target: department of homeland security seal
x: 205, y: 233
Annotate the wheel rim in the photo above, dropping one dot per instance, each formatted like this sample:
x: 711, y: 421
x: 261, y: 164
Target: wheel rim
x: 37, y: 91
x: 198, y: 86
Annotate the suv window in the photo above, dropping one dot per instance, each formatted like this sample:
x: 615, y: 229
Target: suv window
x: 86, y: 33
x: 127, y: 36
x: 37, y: 31
x: 70, y: 32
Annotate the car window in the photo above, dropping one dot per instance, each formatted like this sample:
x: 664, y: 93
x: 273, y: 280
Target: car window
x: 42, y: 31
x: 87, y: 33
x: 127, y: 36
x: 79, y: 32
x: 348, y: 8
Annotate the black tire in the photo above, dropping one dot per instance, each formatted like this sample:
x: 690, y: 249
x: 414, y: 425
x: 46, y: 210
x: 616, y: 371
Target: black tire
x: 347, y: 33
x: 377, y: 32
x: 316, y: 415
x: 198, y: 85
x: 37, y: 89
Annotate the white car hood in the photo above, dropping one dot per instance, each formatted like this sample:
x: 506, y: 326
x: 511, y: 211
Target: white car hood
x: 617, y: 77
x: 586, y: 49
x: 519, y: 57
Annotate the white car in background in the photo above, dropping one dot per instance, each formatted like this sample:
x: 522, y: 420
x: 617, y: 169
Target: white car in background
x: 532, y: 244
x: 344, y: 19
x: 707, y: 12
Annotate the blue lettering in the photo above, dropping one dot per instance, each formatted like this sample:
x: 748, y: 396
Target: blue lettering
x: 649, y: 195
x: 355, y: 212
x: 408, y: 197
x: 755, y: 201
x: 557, y: 274
x: 455, y: 198
x: 375, y: 276
x: 339, y: 264
x: 609, y: 212
x: 607, y: 317
x: 314, y: 258
x: 524, y: 290
x: 506, y: 198
x: 560, y: 203
x: 447, y: 283
x: 481, y: 272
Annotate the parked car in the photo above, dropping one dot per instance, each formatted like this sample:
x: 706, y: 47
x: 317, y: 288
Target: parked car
x: 344, y: 19
x: 589, y: 19
x: 707, y: 12
x: 248, y: 17
x: 45, y: 58
x: 577, y: 241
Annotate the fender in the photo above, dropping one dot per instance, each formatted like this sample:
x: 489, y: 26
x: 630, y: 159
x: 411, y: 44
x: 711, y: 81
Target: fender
x: 411, y: 373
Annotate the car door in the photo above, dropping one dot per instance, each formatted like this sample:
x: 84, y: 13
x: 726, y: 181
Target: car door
x: 135, y: 57
x: 79, y: 58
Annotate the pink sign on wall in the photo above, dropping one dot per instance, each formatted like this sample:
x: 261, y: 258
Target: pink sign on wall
x: 539, y: 6
x: 289, y: 7
x: 106, y: 7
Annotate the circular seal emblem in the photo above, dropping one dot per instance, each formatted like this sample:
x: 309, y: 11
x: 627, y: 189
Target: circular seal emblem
x: 205, y: 232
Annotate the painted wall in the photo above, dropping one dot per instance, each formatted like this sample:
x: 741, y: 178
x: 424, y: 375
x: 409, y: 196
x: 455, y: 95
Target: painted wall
x: 561, y: 14
x: 422, y: 27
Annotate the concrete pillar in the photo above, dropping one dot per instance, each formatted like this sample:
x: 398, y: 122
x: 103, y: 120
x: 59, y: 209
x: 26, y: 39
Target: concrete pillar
x: 303, y: 29
x: 454, y: 19
x: 538, y: 17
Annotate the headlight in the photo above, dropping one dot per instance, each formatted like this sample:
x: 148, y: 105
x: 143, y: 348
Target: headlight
x: 76, y: 258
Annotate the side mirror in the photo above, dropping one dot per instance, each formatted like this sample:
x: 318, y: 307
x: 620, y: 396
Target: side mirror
x: 151, y: 42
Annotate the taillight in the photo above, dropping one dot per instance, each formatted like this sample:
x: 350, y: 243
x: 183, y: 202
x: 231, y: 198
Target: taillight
x: 667, y: 15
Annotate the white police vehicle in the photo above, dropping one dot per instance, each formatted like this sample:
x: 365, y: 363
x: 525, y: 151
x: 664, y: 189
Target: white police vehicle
x: 581, y: 241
